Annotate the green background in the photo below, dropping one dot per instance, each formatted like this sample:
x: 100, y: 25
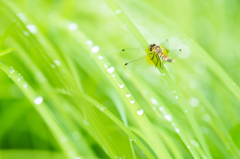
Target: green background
x: 64, y: 92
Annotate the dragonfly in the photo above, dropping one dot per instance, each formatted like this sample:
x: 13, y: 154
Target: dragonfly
x: 154, y: 55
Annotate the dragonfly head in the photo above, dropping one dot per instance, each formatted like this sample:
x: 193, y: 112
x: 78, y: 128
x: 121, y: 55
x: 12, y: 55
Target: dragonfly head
x: 151, y: 46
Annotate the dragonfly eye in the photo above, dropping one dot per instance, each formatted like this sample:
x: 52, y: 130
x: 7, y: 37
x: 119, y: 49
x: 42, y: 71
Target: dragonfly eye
x: 150, y: 47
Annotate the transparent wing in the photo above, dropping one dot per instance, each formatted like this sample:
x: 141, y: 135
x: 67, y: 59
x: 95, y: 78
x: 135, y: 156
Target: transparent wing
x: 141, y: 63
x: 173, y: 53
x: 165, y: 43
x: 132, y: 53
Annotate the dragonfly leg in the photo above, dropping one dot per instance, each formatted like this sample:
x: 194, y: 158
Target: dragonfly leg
x: 160, y: 62
x: 157, y: 61
x: 152, y: 57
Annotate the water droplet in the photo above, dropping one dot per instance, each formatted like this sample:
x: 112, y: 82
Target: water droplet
x: 58, y: 63
x: 121, y: 85
x: 174, y: 91
x: 206, y: 117
x: 132, y: 101
x: 63, y: 139
x: 110, y: 69
x: 26, y: 33
x: 163, y: 74
x: 188, y: 147
x: 25, y: 85
x: 19, y: 79
x: 176, y: 97
x: 154, y: 101
x: 234, y: 84
x: 173, y: 124
x: 53, y: 66
x: 177, y: 130
x: 128, y: 95
x: 89, y: 43
x: 22, y: 17
x: 186, y: 111
x: 118, y: 11
x: 32, y: 28
x: 11, y: 70
x: 100, y: 57
x: 38, y: 100
x: 168, y: 117
x: 161, y: 109
x: 101, y: 108
x: 72, y: 26
x: 95, y: 49
x: 194, y: 102
x: 140, y: 111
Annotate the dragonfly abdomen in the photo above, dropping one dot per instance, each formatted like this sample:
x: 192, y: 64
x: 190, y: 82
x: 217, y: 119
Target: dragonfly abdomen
x: 166, y: 58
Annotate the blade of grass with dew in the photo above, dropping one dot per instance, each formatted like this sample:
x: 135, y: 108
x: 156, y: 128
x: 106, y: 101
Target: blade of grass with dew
x: 99, y: 106
x: 119, y: 85
x: 169, y: 80
x: 41, y: 108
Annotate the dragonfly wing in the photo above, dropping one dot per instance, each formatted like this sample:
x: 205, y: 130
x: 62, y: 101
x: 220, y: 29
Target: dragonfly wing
x: 173, y: 53
x: 132, y: 53
x: 165, y: 43
x: 140, y: 63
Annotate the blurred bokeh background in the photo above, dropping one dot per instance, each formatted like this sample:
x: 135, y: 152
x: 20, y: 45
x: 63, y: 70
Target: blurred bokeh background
x: 65, y: 94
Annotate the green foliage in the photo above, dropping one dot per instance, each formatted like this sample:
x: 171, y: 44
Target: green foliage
x: 64, y: 92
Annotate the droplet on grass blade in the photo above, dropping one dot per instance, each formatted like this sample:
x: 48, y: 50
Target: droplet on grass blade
x: 72, y: 26
x: 32, y: 28
x: 11, y: 70
x: 110, y: 69
x: 140, y: 111
x: 168, y: 117
x: 95, y: 49
x: 38, y: 100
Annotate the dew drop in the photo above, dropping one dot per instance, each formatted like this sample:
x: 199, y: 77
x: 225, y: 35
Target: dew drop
x: 95, y: 49
x: 110, y: 69
x: 186, y: 111
x: 161, y: 109
x: 19, y: 79
x: 11, y: 70
x: 32, y: 28
x: 163, y: 74
x: 174, y: 91
x: 132, y: 101
x: 194, y: 102
x: 26, y: 33
x: 63, y: 139
x: 168, y: 117
x: 140, y: 111
x: 176, y: 97
x: 89, y: 42
x: 177, y: 130
x: 101, y: 108
x: 72, y: 26
x: 58, y: 63
x: 118, y: 11
x: 100, y: 57
x: 154, y: 101
x: 234, y: 84
x: 22, y: 17
x: 38, y: 100
x: 188, y: 147
x: 25, y: 85
x: 121, y: 85
x: 128, y: 95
